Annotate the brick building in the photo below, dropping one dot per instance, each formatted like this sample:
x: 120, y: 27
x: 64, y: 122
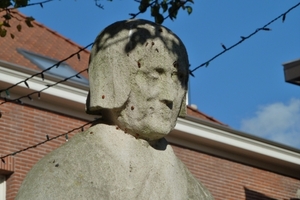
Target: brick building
x: 231, y: 164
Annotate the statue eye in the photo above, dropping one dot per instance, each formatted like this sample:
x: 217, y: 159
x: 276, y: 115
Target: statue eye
x: 159, y: 70
x: 156, y: 73
x: 178, y: 75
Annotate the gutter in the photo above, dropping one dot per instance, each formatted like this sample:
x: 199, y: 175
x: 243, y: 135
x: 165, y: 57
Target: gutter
x: 224, y: 142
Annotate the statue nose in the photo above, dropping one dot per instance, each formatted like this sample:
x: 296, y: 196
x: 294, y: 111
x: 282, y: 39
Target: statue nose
x: 167, y: 103
x: 168, y: 93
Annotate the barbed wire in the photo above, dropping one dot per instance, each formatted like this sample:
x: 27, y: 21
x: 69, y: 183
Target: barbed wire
x: 29, y: 96
x: 48, y: 139
x: 45, y: 70
x: 243, y: 38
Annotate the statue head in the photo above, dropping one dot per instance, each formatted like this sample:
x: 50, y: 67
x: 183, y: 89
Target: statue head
x: 138, y: 74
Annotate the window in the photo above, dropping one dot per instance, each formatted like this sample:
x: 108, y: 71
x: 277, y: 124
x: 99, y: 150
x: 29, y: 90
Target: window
x: 43, y: 62
x: 2, y: 187
x: 298, y: 193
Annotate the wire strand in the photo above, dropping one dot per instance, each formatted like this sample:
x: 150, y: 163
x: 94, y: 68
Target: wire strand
x: 263, y: 28
x: 47, y: 140
x: 45, y: 70
x: 30, y: 4
x: 40, y: 91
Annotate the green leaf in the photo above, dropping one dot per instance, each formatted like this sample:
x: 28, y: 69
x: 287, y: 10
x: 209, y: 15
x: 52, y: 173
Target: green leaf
x: 164, y: 6
x: 5, y: 3
x: 155, y: 10
x: 30, y: 18
x: 173, y: 12
x: 19, y: 27
x: 143, y: 6
x: 159, y: 18
x: 6, y: 24
x: 7, y: 16
x: 3, y: 32
x: 189, y: 9
x: 7, y: 93
x: 28, y: 21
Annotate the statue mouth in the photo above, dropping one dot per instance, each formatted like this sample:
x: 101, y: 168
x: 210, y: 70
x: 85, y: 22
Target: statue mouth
x: 160, y: 112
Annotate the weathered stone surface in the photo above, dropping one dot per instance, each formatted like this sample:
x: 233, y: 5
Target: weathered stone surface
x: 141, y: 69
x: 121, y: 51
x: 105, y: 163
x: 138, y: 80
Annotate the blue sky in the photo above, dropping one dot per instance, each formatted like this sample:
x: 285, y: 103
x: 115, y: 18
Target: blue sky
x: 245, y: 86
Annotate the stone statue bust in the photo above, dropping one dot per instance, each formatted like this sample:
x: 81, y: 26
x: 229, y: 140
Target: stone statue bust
x: 138, y: 74
x: 138, y: 78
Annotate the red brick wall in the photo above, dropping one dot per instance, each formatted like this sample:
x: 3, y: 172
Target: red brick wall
x: 229, y: 180
x: 23, y: 126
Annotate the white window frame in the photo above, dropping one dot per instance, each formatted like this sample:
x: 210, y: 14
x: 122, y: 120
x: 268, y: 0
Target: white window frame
x: 2, y: 187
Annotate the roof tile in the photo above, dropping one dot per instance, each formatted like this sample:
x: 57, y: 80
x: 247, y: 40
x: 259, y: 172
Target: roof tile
x: 196, y: 113
x: 41, y: 40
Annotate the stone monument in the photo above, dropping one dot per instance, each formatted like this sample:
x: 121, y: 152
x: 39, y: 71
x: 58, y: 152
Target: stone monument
x: 138, y: 74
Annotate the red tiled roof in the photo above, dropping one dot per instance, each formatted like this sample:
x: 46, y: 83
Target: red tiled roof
x: 44, y: 41
x: 196, y: 113
x: 41, y: 40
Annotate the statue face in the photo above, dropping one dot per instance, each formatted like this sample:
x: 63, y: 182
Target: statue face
x: 155, y: 100
x: 138, y: 74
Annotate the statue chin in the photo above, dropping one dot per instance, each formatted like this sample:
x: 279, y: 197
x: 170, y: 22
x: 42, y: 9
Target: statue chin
x: 147, y: 125
x: 150, y: 131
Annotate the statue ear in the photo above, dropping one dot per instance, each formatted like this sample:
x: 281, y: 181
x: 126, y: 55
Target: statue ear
x: 109, y: 82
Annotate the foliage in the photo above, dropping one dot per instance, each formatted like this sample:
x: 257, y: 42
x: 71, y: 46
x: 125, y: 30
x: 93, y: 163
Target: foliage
x: 15, y: 3
x: 4, y: 25
x: 7, y: 13
x: 159, y: 7
x: 159, y: 10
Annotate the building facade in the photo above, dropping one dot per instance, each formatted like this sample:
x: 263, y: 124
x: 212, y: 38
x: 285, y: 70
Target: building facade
x: 34, y: 121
